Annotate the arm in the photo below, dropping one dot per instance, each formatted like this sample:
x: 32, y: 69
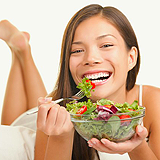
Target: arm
x: 40, y: 145
x: 142, y: 152
x: 55, y: 132
x: 59, y: 148
x: 52, y: 147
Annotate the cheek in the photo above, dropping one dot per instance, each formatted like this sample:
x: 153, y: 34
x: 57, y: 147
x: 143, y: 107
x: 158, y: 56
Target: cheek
x: 122, y: 72
x: 73, y: 63
x: 73, y: 69
x: 119, y: 63
x: 122, y: 68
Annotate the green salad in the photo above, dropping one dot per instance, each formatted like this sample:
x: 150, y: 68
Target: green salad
x: 105, y: 118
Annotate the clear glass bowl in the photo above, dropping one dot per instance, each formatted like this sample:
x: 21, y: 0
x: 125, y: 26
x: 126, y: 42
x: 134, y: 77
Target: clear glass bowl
x: 114, y: 129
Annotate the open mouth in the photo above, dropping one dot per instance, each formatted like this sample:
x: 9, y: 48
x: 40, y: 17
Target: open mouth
x: 98, y: 77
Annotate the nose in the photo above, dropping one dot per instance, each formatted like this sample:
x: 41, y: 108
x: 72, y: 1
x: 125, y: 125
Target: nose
x: 92, y: 57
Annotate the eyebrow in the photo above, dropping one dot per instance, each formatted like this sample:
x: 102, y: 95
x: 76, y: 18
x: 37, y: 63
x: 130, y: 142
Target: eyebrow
x: 105, y: 35
x: 98, y: 38
x: 78, y: 42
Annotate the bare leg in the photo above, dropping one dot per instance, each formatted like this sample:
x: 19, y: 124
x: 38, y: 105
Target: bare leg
x: 24, y: 85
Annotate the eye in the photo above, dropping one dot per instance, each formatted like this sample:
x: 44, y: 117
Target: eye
x: 77, y: 51
x: 106, y: 45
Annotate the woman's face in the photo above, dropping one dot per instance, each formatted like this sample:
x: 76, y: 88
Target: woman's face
x: 99, y: 53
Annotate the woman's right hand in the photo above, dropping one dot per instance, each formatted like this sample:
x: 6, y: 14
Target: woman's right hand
x: 53, y: 119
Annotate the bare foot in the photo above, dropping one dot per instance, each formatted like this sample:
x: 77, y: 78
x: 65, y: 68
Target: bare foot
x: 15, y: 39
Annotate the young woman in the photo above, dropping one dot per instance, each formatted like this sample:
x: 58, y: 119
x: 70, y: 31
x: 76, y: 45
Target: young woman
x: 98, y: 40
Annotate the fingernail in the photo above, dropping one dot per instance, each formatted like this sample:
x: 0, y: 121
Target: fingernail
x: 53, y: 102
x: 103, y: 141
x: 47, y: 99
x: 94, y: 142
x: 140, y: 129
x: 90, y: 144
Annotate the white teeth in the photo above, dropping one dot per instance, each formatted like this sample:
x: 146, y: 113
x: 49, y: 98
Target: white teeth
x: 97, y: 75
x: 96, y: 81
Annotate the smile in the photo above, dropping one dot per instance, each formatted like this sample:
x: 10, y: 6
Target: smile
x: 98, y: 77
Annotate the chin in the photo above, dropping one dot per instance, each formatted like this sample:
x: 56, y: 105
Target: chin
x: 97, y: 96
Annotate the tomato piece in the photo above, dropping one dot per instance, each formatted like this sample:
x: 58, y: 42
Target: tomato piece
x: 124, y: 116
x: 93, y: 85
x: 125, y: 122
x: 82, y: 110
x: 87, y: 80
x: 131, y: 109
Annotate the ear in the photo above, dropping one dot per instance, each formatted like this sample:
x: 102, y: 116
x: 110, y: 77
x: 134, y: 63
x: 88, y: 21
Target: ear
x: 132, y: 58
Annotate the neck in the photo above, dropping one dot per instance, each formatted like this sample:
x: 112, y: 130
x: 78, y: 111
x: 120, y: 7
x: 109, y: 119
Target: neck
x: 122, y: 95
x: 119, y: 96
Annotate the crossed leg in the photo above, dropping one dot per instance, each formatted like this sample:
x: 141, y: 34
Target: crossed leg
x: 24, y: 84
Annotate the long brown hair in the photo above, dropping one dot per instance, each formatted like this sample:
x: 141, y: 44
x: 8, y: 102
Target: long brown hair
x: 65, y: 85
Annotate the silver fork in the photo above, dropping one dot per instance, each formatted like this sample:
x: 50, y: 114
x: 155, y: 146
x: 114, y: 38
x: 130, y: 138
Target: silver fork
x: 79, y: 95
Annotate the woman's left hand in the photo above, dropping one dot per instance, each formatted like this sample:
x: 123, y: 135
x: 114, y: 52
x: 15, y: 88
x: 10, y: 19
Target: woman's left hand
x: 122, y: 147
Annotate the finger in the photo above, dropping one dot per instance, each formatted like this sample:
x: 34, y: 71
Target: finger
x: 141, y: 132
x: 43, y: 100
x: 96, y: 144
x: 61, y: 117
x: 52, y: 116
x: 120, y: 147
x: 42, y: 114
x: 110, y: 147
x: 40, y: 101
x: 68, y: 125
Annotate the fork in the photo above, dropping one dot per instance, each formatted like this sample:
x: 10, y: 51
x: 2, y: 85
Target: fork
x: 79, y: 95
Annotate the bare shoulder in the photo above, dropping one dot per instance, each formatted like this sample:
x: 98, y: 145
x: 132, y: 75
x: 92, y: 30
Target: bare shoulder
x: 151, y: 100
x: 151, y: 94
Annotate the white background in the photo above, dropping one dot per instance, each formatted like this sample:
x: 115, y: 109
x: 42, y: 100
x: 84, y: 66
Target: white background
x: 46, y: 20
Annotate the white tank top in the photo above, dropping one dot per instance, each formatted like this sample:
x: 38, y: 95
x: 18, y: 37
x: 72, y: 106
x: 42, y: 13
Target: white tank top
x: 140, y: 95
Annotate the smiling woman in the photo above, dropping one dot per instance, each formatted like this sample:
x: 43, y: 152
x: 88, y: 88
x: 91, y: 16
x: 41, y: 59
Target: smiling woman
x: 108, y: 47
x: 100, y: 44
